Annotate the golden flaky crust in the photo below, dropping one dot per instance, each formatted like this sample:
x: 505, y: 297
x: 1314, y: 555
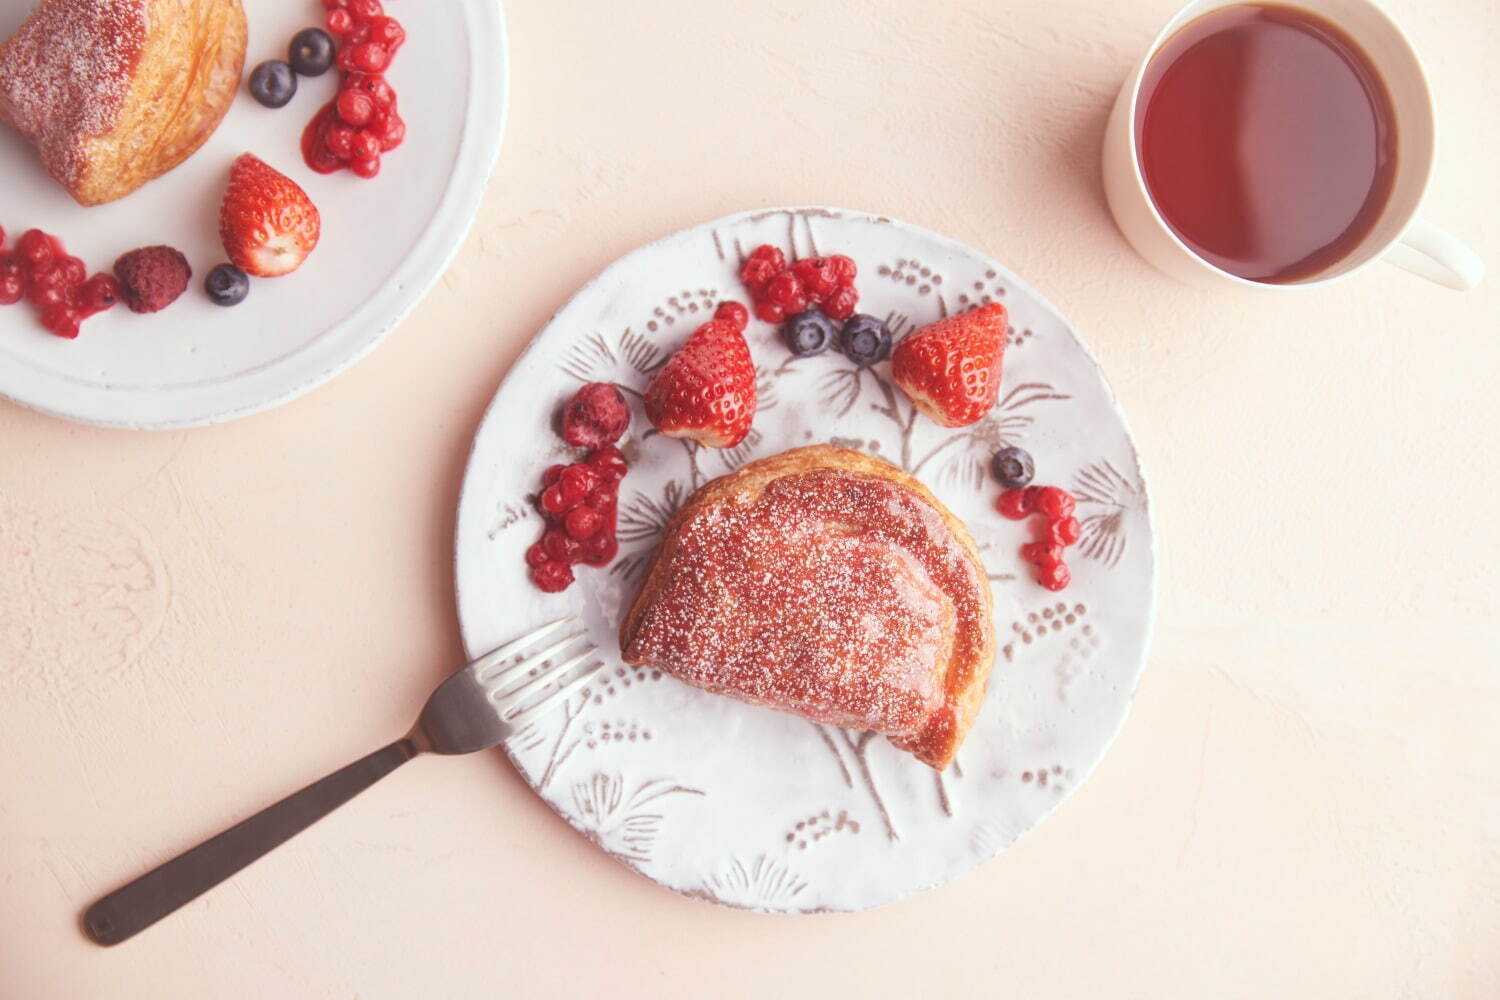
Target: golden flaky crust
x: 967, y: 651
x: 115, y: 93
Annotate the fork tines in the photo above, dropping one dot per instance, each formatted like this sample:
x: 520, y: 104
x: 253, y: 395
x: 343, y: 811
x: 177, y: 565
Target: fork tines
x: 512, y: 674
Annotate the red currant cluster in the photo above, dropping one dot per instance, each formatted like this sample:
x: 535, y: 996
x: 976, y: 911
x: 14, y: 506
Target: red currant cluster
x: 579, y: 501
x: 40, y: 270
x: 778, y: 291
x: 1055, y: 530
x: 362, y: 123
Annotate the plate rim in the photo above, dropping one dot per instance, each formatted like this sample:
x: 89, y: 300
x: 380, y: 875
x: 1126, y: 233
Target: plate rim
x: 449, y: 225
x: 461, y: 522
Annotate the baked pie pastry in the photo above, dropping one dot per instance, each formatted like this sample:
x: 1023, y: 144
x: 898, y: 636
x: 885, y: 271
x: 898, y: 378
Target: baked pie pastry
x: 114, y: 93
x: 828, y: 583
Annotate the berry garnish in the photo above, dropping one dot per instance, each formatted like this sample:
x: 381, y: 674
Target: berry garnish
x: 99, y: 294
x: 267, y: 223
x: 840, y: 305
x: 817, y: 275
x: 552, y: 577
x: 227, y: 285
x: 1041, y: 554
x: 951, y: 369
x: 706, y: 391
x: 582, y: 523
x: 734, y: 314
x: 1012, y: 467
x: 865, y: 339
x: 365, y: 167
x: 1013, y: 504
x: 273, y: 83
x: 1053, y: 502
x: 1064, y: 531
x: 808, y: 333
x: 12, y: 289
x: 764, y: 263
x: 152, y: 277
x: 61, y: 321
x: 787, y: 292
x: 554, y: 500
x: 310, y: 52
x: 35, y: 247
x: 553, y: 474
x: 356, y: 107
x: 536, y: 555
x: 601, y: 549
x: 1054, y: 577
x: 610, y: 462
x: 560, y: 546
x: 597, y: 415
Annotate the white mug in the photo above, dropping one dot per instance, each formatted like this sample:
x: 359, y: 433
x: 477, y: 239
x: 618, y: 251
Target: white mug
x: 1400, y: 236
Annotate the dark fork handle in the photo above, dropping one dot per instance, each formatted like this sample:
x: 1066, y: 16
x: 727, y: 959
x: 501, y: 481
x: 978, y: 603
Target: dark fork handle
x: 131, y: 909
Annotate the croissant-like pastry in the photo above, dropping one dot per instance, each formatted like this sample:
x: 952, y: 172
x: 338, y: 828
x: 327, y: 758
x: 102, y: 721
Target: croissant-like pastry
x: 828, y: 583
x: 114, y: 93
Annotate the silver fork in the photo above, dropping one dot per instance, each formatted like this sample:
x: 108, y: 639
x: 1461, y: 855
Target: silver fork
x: 482, y: 705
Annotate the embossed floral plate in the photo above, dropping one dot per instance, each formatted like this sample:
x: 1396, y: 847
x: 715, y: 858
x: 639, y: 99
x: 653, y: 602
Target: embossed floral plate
x: 385, y: 241
x: 750, y: 807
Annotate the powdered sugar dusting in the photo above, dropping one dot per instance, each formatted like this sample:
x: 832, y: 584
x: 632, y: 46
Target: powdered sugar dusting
x: 65, y: 74
x: 838, y: 596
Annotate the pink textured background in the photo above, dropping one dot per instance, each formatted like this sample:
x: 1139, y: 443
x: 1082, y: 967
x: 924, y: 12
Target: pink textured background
x: 1303, y: 802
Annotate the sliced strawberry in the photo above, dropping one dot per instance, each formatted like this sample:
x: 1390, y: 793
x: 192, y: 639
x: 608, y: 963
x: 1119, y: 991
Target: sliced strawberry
x: 706, y: 392
x: 951, y: 368
x: 267, y: 223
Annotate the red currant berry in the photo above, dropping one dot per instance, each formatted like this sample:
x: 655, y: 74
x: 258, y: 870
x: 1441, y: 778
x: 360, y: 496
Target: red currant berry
x: 99, y: 293
x: 769, y: 254
x: 365, y: 10
x: 554, y: 500
x: 365, y: 168
x: 334, y: 4
x: 840, y: 305
x: 11, y: 266
x: 536, y: 555
x: 370, y: 57
x: 578, y: 480
x: 552, y: 474
x: 1042, y: 554
x: 340, y: 141
x: 817, y: 276
x: 734, y: 314
x: 843, y: 267
x: 340, y: 22
x: 601, y: 549
x: 787, y: 292
x: 74, y: 273
x: 36, y: 247
x: 1053, y: 501
x: 373, y: 84
x: 603, y: 500
x: 757, y: 274
x: 12, y: 289
x: 365, y: 146
x: 1012, y: 504
x: 1054, y: 577
x: 769, y: 312
x: 46, y: 296
x: 552, y: 577
x: 60, y: 321
x: 559, y: 546
x: 388, y: 32
x: 1064, y: 531
x: 355, y: 107
x: 610, y: 463
x: 582, y: 523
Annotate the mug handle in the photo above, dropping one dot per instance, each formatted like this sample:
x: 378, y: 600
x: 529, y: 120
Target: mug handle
x: 1430, y: 251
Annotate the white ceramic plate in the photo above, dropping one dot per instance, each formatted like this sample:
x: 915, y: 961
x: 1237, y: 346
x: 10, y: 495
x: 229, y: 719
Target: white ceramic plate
x: 385, y: 241
x: 754, y: 808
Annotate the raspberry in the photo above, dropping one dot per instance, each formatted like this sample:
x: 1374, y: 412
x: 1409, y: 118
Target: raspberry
x: 98, y: 294
x: 840, y: 305
x: 770, y: 312
x: 1013, y: 504
x: 35, y: 246
x: 152, y: 277
x: 1064, y: 531
x: 536, y: 555
x: 597, y: 415
x: 366, y: 168
x: 355, y: 107
x: 610, y: 463
x: 552, y: 577
x: 734, y: 314
x: 1053, y: 501
x: 556, y: 543
x: 61, y: 321
x: 600, y: 550
x: 787, y: 292
x: 582, y: 523
x: 1054, y: 577
x: 1041, y: 554
x: 553, y: 473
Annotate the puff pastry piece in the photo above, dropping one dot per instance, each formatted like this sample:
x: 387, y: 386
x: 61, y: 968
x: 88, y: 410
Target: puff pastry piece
x: 114, y: 93
x: 828, y: 583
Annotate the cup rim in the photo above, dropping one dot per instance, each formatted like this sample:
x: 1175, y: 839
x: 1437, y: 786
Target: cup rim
x: 1373, y: 253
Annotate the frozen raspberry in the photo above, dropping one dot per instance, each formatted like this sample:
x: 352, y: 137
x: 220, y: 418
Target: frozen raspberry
x: 552, y: 577
x: 601, y: 549
x: 597, y: 415
x: 1054, y: 577
x: 153, y: 277
x: 610, y: 462
x: 61, y: 321
x: 1054, y: 502
x: 1013, y: 504
x: 98, y: 294
x: 734, y: 314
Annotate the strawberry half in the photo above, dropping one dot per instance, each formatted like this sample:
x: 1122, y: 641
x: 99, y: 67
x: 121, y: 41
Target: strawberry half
x: 951, y: 368
x: 706, y: 391
x: 267, y: 223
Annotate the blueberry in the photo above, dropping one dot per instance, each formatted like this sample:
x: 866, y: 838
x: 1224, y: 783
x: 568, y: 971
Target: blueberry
x: 1013, y: 467
x: 866, y: 339
x: 273, y: 83
x: 226, y: 285
x: 808, y: 333
x: 311, y: 52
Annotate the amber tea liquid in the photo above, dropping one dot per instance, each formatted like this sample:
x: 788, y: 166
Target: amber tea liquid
x: 1267, y: 141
